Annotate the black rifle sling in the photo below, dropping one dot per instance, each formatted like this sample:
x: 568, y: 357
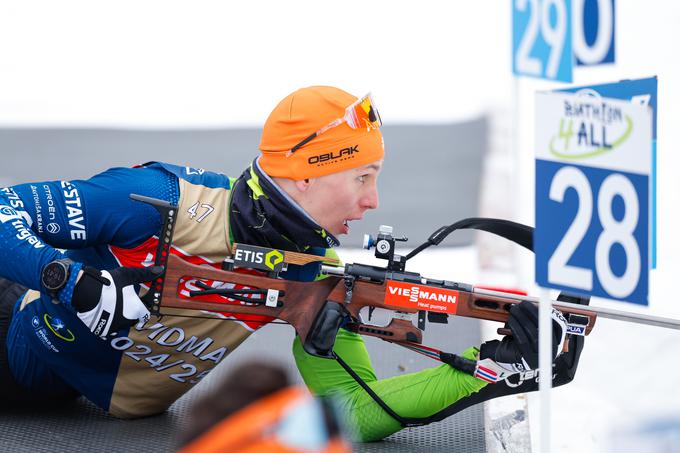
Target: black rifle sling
x: 406, y: 422
x: 516, y: 232
x: 453, y: 360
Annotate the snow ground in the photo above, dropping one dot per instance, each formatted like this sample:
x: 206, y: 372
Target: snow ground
x: 627, y: 375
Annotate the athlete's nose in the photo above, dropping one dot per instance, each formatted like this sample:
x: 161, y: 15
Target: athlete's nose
x: 370, y: 198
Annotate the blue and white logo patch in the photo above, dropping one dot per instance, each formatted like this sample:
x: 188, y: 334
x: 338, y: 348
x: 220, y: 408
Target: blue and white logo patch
x: 7, y: 213
x: 576, y: 329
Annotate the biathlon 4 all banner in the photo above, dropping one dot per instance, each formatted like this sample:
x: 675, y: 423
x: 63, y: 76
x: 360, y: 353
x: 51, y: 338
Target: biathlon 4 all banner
x: 593, y: 166
x: 637, y: 91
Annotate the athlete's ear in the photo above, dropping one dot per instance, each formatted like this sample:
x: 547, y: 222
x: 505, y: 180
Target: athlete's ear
x: 304, y: 184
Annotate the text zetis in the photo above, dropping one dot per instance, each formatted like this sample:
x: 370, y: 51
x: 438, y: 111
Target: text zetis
x: 249, y: 256
x: 74, y: 210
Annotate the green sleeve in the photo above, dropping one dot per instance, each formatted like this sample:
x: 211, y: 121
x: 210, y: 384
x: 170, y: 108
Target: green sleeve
x: 417, y: 395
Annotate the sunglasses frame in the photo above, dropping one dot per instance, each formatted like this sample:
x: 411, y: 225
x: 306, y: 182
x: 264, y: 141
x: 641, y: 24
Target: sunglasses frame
x: 347, y: 118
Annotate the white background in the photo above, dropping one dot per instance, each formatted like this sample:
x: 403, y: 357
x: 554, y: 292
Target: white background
x: 178, y: 63
x: 168, y: 64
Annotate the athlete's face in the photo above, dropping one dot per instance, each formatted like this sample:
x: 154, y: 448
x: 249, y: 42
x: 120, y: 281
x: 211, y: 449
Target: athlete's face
x: 337, y: 199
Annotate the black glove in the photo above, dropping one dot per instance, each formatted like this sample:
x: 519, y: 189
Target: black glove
x: 106, y: 301
x: 519, y: 352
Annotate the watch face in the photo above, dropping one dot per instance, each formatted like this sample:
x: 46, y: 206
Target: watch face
x: 54, y: 275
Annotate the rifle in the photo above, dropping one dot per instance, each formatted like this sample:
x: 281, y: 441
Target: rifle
x: 349, y: 296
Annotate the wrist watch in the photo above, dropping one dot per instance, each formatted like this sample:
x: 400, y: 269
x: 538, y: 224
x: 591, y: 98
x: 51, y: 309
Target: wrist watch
x: 55, y: 275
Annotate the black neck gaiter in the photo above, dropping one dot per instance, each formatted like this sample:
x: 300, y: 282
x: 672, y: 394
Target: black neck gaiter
x: 261, y: 214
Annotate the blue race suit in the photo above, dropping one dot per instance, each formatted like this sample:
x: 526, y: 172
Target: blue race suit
x: 141, y: 370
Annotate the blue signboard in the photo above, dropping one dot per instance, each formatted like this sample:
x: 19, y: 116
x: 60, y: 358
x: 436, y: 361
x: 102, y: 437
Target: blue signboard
x: 549, y: 35
x: 603, y: 249
x: 594, y: 31
x: 541, y: 39
x: 593, y: 170
x: 641, y: 91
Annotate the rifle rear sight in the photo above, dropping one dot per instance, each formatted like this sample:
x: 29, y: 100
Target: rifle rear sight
x: 385, y: 247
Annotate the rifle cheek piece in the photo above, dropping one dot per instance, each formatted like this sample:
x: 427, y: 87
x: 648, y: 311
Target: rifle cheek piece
x: 321, y: 337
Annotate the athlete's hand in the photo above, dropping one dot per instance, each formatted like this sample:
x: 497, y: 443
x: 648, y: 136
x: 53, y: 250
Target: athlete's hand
x: 519, y: 351
x: 106, y: 301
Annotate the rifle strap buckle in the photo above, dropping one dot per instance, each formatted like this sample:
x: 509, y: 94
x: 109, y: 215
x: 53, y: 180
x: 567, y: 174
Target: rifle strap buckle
x: 349, y: 288
x: 272, y: 299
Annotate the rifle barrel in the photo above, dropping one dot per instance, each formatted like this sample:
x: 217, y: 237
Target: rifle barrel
x: 333, y: 270
x: 620, y: 315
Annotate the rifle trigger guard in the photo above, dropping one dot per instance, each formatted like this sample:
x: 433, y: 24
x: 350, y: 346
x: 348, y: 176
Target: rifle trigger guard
x: 349, y: 288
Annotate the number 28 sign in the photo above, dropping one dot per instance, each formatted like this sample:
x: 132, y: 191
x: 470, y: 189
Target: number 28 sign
x: 593, y: 160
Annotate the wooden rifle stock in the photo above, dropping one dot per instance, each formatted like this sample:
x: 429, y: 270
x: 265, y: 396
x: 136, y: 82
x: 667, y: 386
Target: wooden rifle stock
x: 301, y: 302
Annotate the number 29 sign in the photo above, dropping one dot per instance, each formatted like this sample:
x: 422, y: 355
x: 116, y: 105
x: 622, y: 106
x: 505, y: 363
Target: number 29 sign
x: 548, y: 35
x: 593, y: 161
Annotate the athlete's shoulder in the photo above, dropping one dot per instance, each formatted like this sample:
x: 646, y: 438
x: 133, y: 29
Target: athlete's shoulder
x: 332, y: 254
x: 194, y: 175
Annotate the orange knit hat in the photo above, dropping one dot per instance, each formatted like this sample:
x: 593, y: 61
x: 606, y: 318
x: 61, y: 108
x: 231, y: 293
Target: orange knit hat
x: 339, y: 148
